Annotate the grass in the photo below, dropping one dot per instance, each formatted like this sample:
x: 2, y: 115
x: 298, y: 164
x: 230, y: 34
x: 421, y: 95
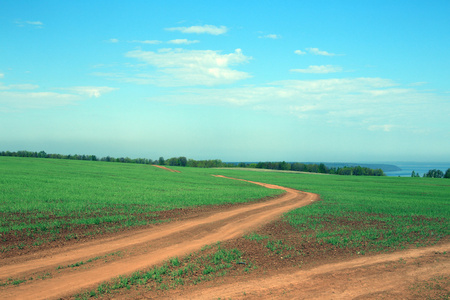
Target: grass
x: 437, y: 287
x: 207, y: 264
x: 366, y: 213
x: 17, y: 281
x: 43, y: 200
x: 46, y: 199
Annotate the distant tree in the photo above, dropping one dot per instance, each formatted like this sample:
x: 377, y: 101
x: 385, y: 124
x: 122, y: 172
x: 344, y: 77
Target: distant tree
x: 434, y: 174
x: 322, y: 168
x: 345, y: 171
x: 312, y: 168
x: 284, y: 166
x: 171, y: 161
x: 447, y: 173
x: 183, y: 161
x: 378, y: 172
x: 298, y: 167
x: 161, y: 160
x: 358, y: 171
x: 191, y: 163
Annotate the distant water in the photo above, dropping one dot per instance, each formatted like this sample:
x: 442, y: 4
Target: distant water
x: 421, y: 168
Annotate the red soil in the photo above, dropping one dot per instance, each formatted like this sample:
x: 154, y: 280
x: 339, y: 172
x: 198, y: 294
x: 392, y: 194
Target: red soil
x: 167, y: 169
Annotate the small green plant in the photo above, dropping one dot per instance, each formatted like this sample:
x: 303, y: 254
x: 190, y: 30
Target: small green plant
x: 214, y: 261
x: 18, y: 281
x: 255, y: 237
x: 175, y: 262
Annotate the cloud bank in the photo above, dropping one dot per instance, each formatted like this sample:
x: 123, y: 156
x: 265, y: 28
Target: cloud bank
x: 180, y: 67
x: 21, y: 96
x: 208, y: 29
x: 314, y: 51
x: 319, y: 69
x: 374, y: 104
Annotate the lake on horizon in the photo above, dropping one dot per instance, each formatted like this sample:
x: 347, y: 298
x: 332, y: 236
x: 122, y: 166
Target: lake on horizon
x: 421, y: 168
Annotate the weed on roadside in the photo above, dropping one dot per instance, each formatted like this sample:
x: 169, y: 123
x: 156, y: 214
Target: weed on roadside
x: 207, y: 264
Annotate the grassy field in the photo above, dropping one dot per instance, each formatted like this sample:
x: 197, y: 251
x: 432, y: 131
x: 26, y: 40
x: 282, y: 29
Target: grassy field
x: 368, y: 213
x: 47, y: 199
x: 356, y: 216
x: 43, y: 200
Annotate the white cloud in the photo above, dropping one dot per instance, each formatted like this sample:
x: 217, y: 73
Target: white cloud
x: 36, y: 24
x: 183, y: 41
x: 33, y: 100
x: 108, y: 74
x: 179, y: 67
x: 316, y: 51
x: 18, y: 96
x: 270, y: 36
x: 357, y: 102
x: 175, y: 41
x: 90, y: 91
x: 113, y: 40
x: 418, y: 83
x: 319, y: 69
x: 386, y: 127
x: 299, y: 52
x: 2, y: 75
x: 208, y: 29
x: 151, y: 42
x: 25, y: 86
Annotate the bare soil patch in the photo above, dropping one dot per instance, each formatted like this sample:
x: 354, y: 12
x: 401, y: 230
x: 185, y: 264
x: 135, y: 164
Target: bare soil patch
x: 167, y: 169
x: 415, y: 274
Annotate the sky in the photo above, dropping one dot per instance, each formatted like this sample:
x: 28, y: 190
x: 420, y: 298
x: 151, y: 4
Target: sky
x: 328, y: 81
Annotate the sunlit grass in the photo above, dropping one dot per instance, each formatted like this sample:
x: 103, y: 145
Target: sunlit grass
x: 207, y: 264
x: 49, y: 196
x: 365, y: 212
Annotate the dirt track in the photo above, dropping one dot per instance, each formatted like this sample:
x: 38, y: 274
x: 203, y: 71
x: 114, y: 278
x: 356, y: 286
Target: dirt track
x: 167, y: 169
x: 381, y: 276
x: 156, y: 244
x: 385, y: 276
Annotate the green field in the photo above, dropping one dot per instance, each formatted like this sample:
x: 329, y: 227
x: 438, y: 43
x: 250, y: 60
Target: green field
x: 371, y: 213
x: 43, y: 200
x: 46, y: 199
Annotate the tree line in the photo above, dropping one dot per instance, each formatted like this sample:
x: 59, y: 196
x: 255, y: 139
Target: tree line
x: 213, y: 163
x: 315, y: 168
x: 433, y: 174
x: 43, y: 154
x: 174, y: 161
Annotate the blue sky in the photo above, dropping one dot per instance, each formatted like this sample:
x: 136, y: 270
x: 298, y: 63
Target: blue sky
x: 327, y: 81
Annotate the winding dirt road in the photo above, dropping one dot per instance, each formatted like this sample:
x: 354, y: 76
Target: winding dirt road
x: 156, y: 245
x: 384, y: 276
